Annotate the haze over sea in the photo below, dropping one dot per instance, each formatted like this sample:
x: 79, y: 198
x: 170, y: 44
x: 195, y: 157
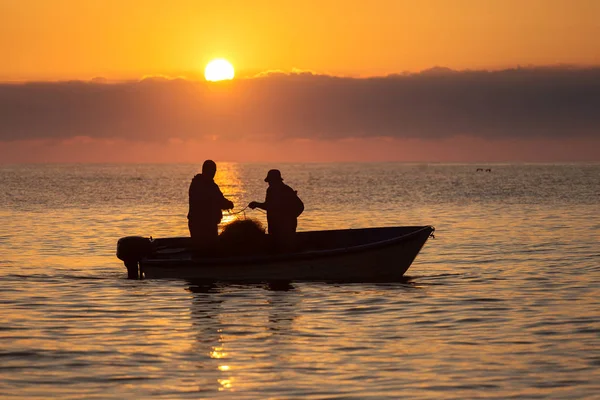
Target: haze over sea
x: 503, y: 303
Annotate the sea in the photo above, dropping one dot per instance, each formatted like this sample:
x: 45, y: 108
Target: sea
x: 504, y: 302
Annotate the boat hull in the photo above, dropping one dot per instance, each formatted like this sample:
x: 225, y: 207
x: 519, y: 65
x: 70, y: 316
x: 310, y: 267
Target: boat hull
x: 384, y: 260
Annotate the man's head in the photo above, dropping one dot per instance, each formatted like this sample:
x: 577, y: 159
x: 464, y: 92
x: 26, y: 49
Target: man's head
x: 273, y: 176
x: 209, y: 169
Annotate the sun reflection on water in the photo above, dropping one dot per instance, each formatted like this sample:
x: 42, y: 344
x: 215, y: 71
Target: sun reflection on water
x: 234, y: 188
x: 218, y: 353
x: 226, y: 384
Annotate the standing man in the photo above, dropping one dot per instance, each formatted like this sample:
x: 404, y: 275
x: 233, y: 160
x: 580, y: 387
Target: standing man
x: 283, y: 207
x: 206, y: 203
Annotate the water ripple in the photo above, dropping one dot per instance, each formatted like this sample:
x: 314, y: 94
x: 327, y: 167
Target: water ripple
x: 502, y: 304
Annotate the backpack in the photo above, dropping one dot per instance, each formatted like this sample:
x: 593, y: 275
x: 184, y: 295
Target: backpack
x: 297, y: 204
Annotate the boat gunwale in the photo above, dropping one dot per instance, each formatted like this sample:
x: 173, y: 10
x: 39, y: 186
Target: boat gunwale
x: 275, y: 258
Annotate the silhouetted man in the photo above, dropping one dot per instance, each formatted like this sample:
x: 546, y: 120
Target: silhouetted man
x: 283, y: 207
x: 206, y: 203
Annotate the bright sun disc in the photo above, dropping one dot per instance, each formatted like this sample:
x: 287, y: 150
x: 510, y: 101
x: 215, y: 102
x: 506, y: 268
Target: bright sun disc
x: 218, y: 70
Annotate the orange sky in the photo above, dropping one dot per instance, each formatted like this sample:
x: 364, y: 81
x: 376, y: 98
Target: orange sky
x: 117, y: 39
x: 522, y: 114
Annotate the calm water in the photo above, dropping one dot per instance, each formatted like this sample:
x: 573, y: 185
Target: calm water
x: 503, y: 303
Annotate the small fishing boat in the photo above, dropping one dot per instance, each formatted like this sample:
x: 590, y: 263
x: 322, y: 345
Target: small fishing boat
x: 357, y: 255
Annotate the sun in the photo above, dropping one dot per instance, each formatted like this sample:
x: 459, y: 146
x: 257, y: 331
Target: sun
x: 218, y: 70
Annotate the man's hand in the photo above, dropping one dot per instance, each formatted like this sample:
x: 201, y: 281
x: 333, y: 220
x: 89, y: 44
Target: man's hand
x: 253, y: 205
x: 230, y: 205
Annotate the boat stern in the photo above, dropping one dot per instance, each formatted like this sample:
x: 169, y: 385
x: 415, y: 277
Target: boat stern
x: 131, y: 249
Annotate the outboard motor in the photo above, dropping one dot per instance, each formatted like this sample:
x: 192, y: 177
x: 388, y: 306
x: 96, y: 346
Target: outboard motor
x: 131, y: 250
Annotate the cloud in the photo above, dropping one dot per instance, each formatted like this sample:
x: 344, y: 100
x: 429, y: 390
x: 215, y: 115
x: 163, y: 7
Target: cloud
x: 523, y: 103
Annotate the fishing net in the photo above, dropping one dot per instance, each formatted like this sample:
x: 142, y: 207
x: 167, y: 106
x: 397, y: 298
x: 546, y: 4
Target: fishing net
x: 243, y: 237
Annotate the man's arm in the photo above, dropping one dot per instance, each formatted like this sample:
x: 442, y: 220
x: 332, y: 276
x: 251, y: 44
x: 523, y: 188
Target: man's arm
x: 256, y: 204
x: 225, y: 203
x: 264, y: 206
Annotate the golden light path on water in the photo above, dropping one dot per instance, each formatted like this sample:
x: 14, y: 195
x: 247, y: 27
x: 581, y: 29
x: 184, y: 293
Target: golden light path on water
x: 503, y: 302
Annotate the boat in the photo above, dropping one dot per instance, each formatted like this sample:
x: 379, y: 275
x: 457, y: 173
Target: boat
x: 356, y: 255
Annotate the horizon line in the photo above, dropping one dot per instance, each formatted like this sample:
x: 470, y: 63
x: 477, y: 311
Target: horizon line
x: 418, y: 163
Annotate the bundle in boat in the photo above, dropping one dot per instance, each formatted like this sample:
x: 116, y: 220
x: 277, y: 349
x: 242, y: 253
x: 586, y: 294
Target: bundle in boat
x: 243, y: 237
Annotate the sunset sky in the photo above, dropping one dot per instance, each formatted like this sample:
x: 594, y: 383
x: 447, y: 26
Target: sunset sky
x: 342, y: 44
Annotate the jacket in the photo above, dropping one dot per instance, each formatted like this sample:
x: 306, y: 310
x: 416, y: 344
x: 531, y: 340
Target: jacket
x: 206, y: 201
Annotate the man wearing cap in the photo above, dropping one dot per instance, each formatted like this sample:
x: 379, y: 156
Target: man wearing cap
x: 283, y: 207
x: 206, y: 203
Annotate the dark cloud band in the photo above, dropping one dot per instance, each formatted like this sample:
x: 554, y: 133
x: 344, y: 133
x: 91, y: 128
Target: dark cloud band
x: 439, y: 103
